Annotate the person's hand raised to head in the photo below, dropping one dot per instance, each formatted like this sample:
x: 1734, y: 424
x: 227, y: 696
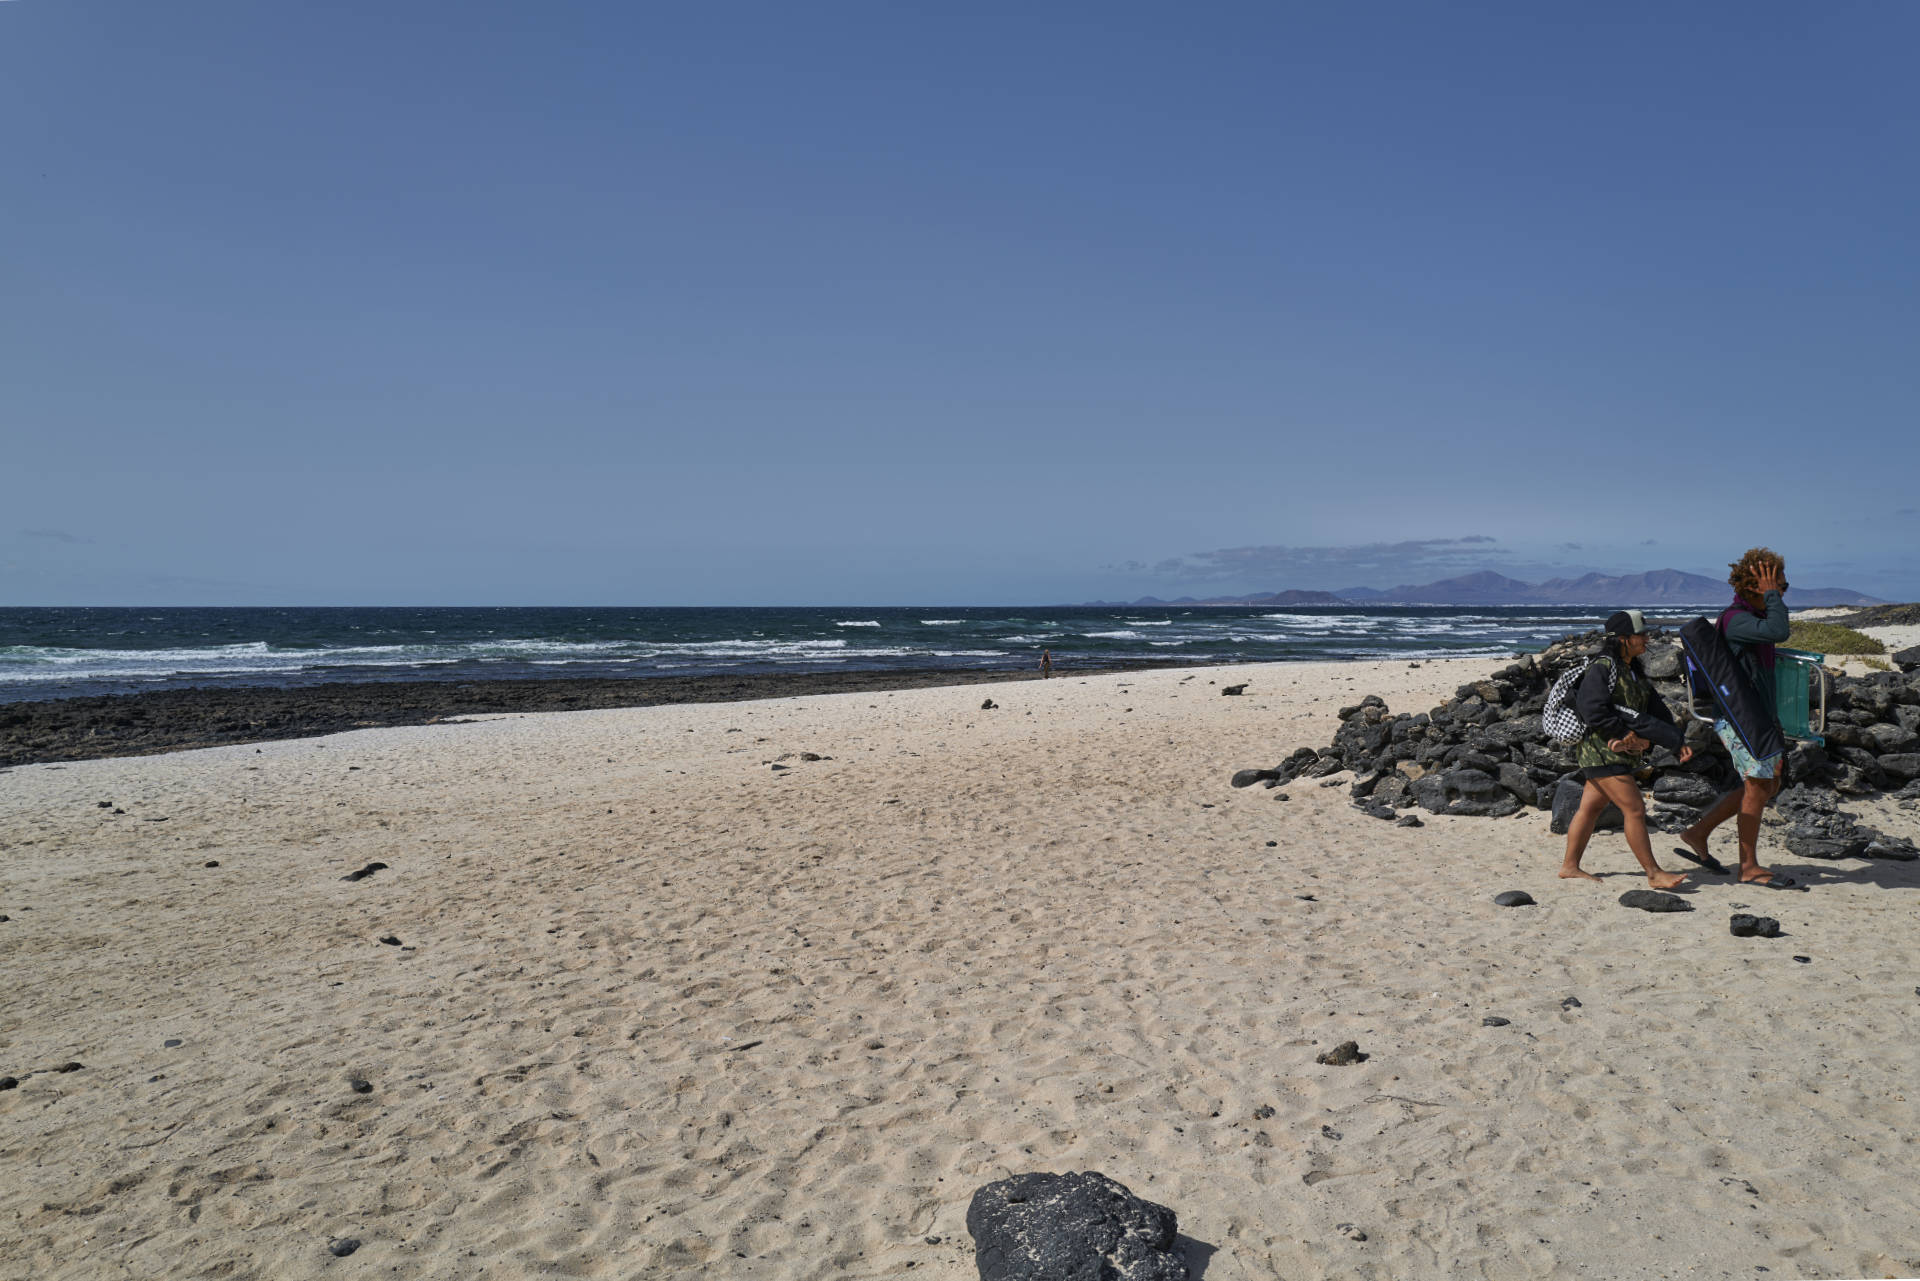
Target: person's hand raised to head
x: 1769, y: 580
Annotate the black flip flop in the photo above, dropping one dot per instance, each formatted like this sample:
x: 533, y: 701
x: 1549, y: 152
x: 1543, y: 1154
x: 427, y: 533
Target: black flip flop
x: 1707, y: 861
x: 1779, y: 881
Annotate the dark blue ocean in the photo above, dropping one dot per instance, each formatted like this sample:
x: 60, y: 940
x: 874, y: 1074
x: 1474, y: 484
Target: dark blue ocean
x: 59, y: 653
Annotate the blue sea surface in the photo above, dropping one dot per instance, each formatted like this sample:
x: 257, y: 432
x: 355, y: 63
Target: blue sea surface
x: 60, y: 653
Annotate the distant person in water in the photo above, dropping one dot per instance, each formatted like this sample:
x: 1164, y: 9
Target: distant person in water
x: 1622, y: 724
x: 1752, y: 625
x: 1046, y: 663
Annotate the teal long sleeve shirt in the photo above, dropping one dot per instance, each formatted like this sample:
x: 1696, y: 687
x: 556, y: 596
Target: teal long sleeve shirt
x: 1745, y: 630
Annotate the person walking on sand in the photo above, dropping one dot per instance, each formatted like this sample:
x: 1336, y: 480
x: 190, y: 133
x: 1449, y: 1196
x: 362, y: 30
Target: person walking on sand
x: 1753, y: 625
x: 1621, y: 725
x: 1046, y: 663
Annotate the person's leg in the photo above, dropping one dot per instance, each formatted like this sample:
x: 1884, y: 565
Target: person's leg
x: 1624, y: 792
x: 1753, y: 802
x: 1695, y: 837
x: 1580, y: 830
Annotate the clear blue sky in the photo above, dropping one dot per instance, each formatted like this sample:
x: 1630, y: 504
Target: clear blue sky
x: 602, y: 302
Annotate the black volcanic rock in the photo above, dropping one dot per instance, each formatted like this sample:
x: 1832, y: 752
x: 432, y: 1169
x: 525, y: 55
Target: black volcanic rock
x: 1071, y: 1227
x: 1655, y: 901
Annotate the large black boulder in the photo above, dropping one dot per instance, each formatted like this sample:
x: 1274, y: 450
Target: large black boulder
x: 1907, y: 660
x: 1071, y: 1227
x: 1891, y: 737
x: 1685, y: 789
x: 1901, y: 765
x: 1662, y: 662
x: 1515, y: 780
x: 1464, y: 791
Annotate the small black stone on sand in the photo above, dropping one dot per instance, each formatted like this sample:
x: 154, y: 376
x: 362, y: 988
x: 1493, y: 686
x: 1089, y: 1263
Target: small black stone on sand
x: 390, y: 940
x: 1514, y: 898
x: 212, y: 862
x: 169, y: 1043
x: 1655, y: 901
x: 1270, y: 845
x: 69, y: 1067
x: 1233, y: 689
x: 1571, y: 1003
x: 1743, y: 926
x: 341, y: 1247
x: 988, y: 705
x: 1342, y: 1055
x: 371, y: 868
x: 9, y: 1083
x: 1408, y: 820
x: 1494, y: 1020
x: 1804, y: 960
x: 1264, y: 1112
x: 5, y: 917
x: 360, y: 1086
x: 1330, y: 1132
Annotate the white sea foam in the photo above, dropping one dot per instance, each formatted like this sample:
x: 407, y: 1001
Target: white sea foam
x: 1112, y: 635
x: 869, y: 622
x: 940, y: 622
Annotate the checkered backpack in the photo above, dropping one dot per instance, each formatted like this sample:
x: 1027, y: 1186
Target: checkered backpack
x: 1558, y: 718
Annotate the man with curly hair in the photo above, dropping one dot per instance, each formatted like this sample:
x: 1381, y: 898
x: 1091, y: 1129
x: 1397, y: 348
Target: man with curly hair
x: 1752, y: 625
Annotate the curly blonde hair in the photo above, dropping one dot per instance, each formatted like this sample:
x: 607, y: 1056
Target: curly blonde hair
x: 1746, y: 573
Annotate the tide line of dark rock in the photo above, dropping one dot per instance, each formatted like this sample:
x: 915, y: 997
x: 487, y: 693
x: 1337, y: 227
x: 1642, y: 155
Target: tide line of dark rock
x: 1483, y: 753
x: 72, y: 729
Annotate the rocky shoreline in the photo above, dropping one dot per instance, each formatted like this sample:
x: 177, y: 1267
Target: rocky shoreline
x: 1484, y: 754
x: 76, y: 729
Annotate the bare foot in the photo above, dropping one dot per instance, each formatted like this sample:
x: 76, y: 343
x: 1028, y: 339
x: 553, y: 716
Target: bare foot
x: 1756, y: 874
x: 1665, y: 880
x: 1574, y: 873
x: 1698, y: 844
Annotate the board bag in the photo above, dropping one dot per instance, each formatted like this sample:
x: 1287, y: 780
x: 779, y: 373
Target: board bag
x: 1713, y: 666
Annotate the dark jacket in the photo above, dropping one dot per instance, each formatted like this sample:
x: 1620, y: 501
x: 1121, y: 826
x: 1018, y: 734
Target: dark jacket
x: 1749, y: 635
x: 1633, y: 707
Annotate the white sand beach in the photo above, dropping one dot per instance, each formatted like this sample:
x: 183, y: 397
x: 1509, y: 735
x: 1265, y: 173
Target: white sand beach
x: 659, y: 1010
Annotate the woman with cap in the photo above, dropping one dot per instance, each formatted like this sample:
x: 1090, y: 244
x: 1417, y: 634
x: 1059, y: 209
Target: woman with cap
x: 1623, y: 716
x: 1755, y: 622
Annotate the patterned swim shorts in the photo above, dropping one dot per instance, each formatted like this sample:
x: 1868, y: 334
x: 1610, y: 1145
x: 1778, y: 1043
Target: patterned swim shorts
x: 1742, y: 758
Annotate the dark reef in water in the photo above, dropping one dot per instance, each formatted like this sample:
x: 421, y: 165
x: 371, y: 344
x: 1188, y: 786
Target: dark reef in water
x: 75, y: 729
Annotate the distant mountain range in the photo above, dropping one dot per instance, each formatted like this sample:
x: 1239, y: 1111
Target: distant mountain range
x: 1656, y: 587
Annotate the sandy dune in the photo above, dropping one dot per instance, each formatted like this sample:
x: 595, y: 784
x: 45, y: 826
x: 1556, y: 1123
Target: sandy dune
x: 660, y: 1010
